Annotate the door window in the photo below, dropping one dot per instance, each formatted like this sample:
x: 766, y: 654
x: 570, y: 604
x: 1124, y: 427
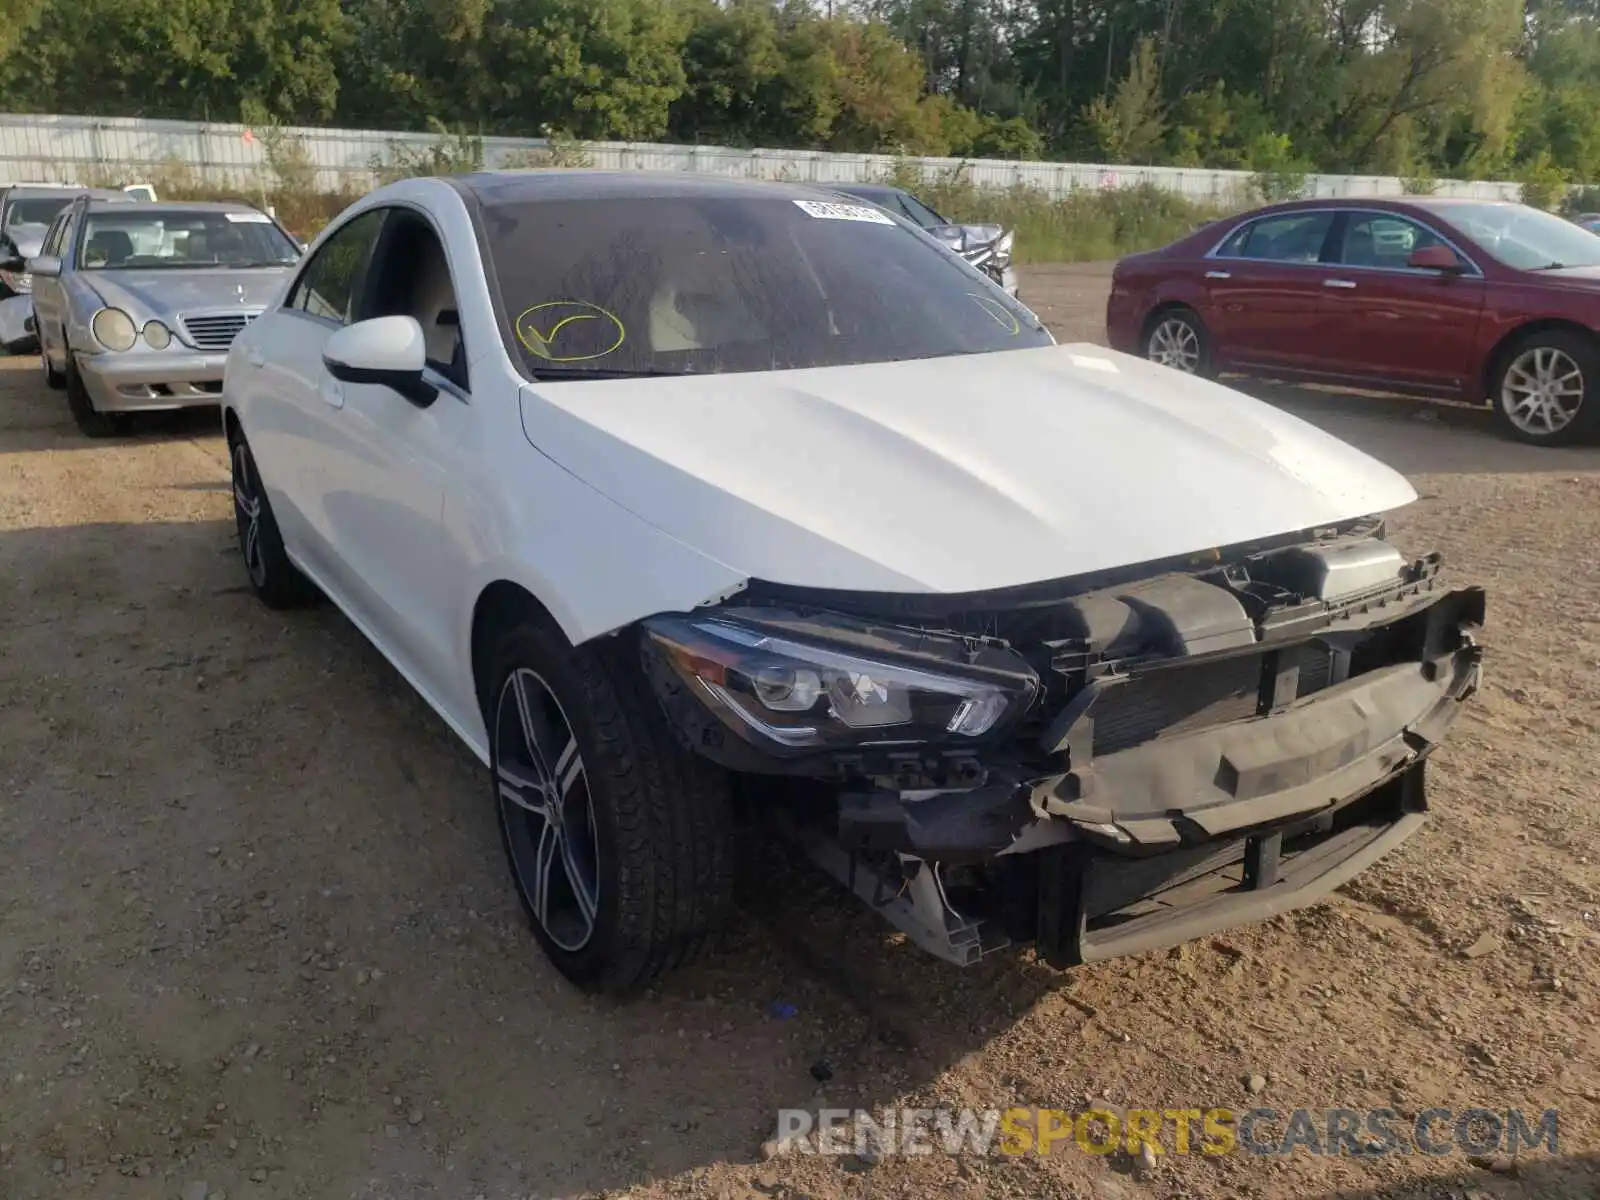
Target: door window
x: 410, y: 277
x: 1295, y: 237
x: 1382, y: 240
x: 329, y: 285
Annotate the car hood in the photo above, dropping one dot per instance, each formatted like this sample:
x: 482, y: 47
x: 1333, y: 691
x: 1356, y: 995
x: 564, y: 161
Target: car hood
x: 168, y: 291
x: 1583, y: 276
x: 953, y: 474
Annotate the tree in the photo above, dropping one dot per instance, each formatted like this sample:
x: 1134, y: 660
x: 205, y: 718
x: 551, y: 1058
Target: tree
x: 1129, y: 123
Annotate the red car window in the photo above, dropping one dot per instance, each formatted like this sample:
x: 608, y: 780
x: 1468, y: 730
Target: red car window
x: 1286, y: 237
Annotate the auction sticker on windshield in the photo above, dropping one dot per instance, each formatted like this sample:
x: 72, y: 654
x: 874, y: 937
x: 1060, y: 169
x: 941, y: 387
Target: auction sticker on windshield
x: 248, y: 218
x: 844, y: 212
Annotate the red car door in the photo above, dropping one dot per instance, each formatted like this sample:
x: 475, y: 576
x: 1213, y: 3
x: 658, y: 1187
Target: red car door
x: 1264, y: 284
x: 1393, y: 323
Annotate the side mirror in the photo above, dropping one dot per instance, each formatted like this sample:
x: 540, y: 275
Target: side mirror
x: 385, y: 350
x: 47, y: 265
x: 1435, y: 258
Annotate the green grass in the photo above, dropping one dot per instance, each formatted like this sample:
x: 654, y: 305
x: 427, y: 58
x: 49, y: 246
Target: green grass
x: 1082, y: 227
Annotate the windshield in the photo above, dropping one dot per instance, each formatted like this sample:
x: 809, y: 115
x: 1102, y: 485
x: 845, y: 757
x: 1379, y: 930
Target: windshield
x: 721, y: 284
x: 36, y: 210
x: 1522, y: 237
x: 135, y: 239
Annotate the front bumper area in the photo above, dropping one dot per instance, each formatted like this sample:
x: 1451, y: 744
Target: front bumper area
x: 152, y: 380
x: 1190, y: 831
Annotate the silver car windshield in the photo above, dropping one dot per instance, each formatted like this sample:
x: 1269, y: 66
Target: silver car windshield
x: 138, y: 239
x: 34, y: 210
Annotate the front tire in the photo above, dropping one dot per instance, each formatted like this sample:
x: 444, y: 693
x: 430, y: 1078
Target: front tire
x: 276, y: 580
x: 90, y: 420
x: 1546, y: 389
x: 52, y: 378
x: 1178, y: 338
x: 620, y: 841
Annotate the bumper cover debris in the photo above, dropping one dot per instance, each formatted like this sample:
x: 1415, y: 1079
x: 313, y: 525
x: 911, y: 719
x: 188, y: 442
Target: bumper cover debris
x: 1194, y: 830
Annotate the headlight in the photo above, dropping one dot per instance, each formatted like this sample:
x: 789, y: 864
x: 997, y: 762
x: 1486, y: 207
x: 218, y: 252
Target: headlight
x: 792, y: 692
x: 156, y: 335
x: 20, y: 282
x: 114, y: 329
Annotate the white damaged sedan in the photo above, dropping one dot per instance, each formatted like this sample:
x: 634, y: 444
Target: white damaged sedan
x: 692, y: 504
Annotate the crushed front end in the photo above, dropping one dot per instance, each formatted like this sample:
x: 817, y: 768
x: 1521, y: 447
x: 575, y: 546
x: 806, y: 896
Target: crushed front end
x: 1100, y: 766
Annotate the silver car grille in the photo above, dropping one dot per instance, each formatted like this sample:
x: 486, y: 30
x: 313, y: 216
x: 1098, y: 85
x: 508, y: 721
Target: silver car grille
x: 214, y: 331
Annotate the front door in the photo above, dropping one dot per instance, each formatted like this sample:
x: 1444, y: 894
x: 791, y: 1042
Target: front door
x: 49, y: 299
x: 1266, y: 303
x: 294, y: 399
x: 1392, y: 324
x: 387, y: 461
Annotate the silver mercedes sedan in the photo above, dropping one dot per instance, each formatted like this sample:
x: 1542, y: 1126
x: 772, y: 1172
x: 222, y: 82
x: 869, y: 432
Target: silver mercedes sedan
x: 136, y: 305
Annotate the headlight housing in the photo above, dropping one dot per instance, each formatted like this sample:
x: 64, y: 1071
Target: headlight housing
x: 156, y: 335
x: 1002, y: 249
x: 114, y: 329
x: 794, y: 685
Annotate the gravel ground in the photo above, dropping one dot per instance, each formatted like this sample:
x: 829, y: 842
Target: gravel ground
x: 256, y: 937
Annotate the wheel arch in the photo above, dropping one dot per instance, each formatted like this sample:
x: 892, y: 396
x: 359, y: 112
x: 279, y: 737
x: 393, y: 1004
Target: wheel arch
x: 500, y: 605
x: 1497, y: 354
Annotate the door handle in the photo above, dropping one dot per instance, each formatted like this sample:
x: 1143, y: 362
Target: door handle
x: 254, y: 357
x: 1339, y: 283
x: 1219, y: 275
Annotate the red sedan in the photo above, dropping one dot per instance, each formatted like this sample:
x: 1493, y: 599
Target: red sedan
x: 1467, y: 299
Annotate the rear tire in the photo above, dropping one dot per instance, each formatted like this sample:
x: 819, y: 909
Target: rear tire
x: 1546, y: 388
x: 91, y: 421
x: 277, y: 581
x: 620, y: 841
x: 1178, y: 338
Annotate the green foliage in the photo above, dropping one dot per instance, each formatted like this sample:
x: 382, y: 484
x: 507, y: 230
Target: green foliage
x: 1427, y: 89
x: 450, y: 153
x: 1423, y: 183
x: 561, y: 149
x: 1544, y: 183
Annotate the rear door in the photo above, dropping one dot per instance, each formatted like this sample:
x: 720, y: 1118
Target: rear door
x: 1264, y: 283
x: 1393, y: 324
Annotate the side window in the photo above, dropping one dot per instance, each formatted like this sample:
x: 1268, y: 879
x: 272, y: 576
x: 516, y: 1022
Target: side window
x: 329, y: 284
x: 1382, y: 240
x: 411, y: 277
x: 1287, y: 237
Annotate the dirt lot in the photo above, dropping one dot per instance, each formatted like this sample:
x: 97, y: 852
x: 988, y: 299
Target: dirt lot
x: 256, y: 936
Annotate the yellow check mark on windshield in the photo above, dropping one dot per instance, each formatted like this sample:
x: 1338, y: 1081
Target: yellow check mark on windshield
x: 543, y: 344
x: 544, y: 339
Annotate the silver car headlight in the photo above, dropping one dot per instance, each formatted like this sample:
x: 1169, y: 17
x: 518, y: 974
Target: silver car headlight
x: 156, y: 335
x: 1002, y: 249
x: 114, y: 329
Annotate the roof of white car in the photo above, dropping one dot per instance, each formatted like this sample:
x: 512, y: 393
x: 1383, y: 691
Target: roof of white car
x: 513, y: 187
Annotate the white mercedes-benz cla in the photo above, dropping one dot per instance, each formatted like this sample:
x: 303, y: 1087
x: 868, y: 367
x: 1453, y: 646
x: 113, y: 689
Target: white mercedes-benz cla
x: 695, y: 504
